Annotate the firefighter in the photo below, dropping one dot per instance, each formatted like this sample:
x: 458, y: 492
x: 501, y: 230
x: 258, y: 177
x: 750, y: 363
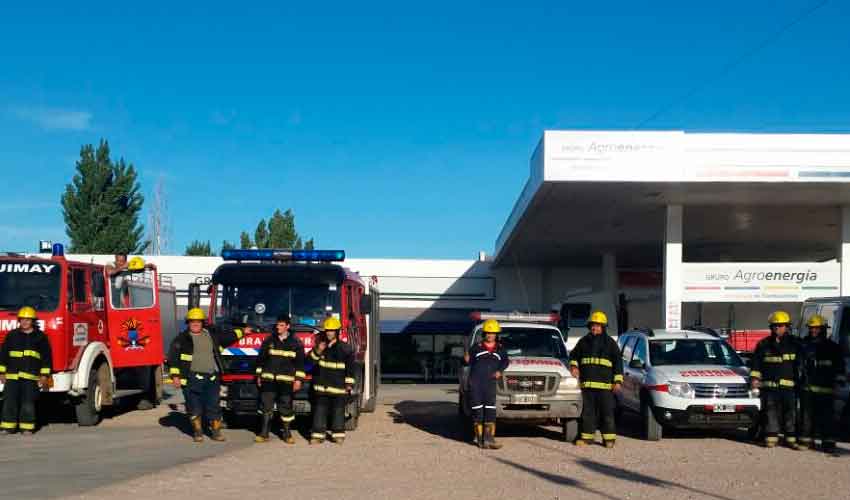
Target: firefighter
x: 195, y: 366
x: 822, y: 374
x: 280, y: 371
x: 597, y: 363
x: 25, y: 362
x: 775, y: 367
x: 333, y: 380
x: 487, y: 362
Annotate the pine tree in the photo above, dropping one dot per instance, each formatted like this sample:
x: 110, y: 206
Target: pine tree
x: 199, y: 249
x: 102, y: 204
x: 261, y: 235
x: 245, y: 240
x: 226, y: 245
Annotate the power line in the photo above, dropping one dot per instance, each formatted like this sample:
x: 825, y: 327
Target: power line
x: 734, y: 63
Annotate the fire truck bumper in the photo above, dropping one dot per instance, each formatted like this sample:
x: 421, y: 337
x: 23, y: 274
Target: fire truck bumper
x: 539, y: 408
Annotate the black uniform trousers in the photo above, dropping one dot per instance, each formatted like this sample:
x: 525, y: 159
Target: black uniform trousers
x: 279, y: 393
x: 19, y: 399
x: 482, y: 399
x: 598, y: 412
x: 780, y: 413
x: 816, y: 419
x: 202, y: 392
x: 324, y: 405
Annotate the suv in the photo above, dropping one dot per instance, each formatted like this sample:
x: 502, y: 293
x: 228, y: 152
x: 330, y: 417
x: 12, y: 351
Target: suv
x: 537, y: 387
x: 685, y: 379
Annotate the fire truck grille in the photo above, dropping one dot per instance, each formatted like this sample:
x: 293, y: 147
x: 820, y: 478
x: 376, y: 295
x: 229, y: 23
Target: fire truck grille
x: 524, y: 384
x: 710, y: 391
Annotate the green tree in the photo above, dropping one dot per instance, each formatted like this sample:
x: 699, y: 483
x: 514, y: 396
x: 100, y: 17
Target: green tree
x: 261, y: 235
x: 199, y: 249
x: 102, y: 204
x: 245, y: 240
x: 226, y: 245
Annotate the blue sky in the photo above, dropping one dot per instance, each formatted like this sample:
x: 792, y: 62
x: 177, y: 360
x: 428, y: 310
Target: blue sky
x: 391, y: 129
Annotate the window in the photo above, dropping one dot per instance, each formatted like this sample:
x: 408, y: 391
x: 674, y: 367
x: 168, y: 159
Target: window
x: 693, y: 352
x: 18, y: 287
x: 640, y: 351
x: 98, y: 290
x: 132, y: 290
x: 808, y: 311
x: 79, y: 276
x: 828, y: 312
x: 628, y: 347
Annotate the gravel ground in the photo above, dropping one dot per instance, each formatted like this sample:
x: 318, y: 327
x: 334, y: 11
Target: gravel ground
x: 411, y: 448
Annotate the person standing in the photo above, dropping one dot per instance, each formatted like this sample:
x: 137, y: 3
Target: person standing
x: 195, y: 366
x: 333, y: 381
x: 775, y: 372
x: 280, y: 372
x: 597, y: 363
x: 823, y: 372
x: 25, y: 363
x: 487, y: 362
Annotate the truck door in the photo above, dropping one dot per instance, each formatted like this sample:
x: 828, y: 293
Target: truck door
x: 630, y: 377
x: 84, y: 319
x: 135, y: 335
x: 841, y: 335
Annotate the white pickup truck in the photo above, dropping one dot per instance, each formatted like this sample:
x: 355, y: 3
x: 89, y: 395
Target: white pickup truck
x: 537, y: 387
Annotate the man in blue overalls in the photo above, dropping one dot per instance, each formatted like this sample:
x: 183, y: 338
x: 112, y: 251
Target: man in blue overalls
x: 487, y: 361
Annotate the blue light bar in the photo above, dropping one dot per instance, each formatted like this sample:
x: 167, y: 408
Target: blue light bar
x: 58, y: 250
x: 275, y: 254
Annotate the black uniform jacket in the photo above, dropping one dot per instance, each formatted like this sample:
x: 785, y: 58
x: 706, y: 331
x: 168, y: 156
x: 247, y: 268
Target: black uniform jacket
x: 180, y: 354
x: 776, y: 362
x: 25, y: 356
x: 281, y: 360
x: 598, y: 360
x: 333, y: 370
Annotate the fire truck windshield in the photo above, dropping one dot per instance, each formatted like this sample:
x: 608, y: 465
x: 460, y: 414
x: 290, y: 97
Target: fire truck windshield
x: 260, y: 305
x: 29, y: 284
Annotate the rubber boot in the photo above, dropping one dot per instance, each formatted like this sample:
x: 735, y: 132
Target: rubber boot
x: 337, y: 439
x: 265, y: 425
x: 771, y: 442
x: 317, y: 438
x: 792, y: 444
x: 490, y: 436
x: 804, y: 444
x: 610, y: 443
x: 215, y: 428
x: 581, y: 442
x: 197, y: 429
x: 286, y: 434
x: 478, y: 432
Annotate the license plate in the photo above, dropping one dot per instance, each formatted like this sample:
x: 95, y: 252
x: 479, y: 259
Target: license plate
x: 724, y: 408
x: 523, y: 399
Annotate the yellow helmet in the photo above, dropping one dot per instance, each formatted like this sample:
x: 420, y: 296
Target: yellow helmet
x: 816, y: 320
x: 779, y: 318
x: 492, y: 326
x: 26, y: 312
x: 331, y: 323
x: 598, y: 317
x: 136, y: 264
x: 196, y: 314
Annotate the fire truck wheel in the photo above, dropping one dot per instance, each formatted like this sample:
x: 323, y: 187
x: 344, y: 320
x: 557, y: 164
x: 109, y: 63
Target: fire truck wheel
x: 569, y: 429
x: 88, y: 409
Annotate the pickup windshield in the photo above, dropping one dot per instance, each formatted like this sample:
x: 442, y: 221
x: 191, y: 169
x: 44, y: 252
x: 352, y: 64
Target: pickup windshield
x: 25, y: 284
x: 260, y: 305
x: 533, y: 342
x: 692, y: 352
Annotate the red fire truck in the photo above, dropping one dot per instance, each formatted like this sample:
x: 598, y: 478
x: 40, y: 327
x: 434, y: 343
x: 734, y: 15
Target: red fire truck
x: 105, y: 331
x: 255, y: 286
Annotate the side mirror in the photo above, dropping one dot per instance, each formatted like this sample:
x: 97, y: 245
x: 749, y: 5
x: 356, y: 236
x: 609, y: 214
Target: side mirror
x: 194, y: 295
x: 637, y: 364
x: 365, y: 304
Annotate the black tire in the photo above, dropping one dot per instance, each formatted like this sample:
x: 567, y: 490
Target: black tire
x: 464, y: 420
x: 352, y: 412
x: 90, y: 407
x: 156, y: 393
x: 569, y: 429
x: 652, y: 430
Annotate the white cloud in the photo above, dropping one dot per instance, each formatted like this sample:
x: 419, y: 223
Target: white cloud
x: 55, y: 118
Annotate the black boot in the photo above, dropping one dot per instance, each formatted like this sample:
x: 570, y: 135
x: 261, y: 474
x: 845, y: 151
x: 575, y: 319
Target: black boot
x: 286, y: 434
x: 265, y: 425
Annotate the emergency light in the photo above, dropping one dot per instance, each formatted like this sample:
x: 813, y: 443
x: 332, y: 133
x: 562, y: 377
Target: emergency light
x: 284, y: 255
x: 58, y: 250
x: 515, y: 316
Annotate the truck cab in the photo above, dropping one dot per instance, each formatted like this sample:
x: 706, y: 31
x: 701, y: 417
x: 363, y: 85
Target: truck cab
x: 309, y: 286
x: 537, y: 387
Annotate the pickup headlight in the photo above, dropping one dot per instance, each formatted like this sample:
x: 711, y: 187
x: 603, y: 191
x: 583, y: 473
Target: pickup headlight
x: 681, y: 390
x: 569, y: 383
x: 754, y: 393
